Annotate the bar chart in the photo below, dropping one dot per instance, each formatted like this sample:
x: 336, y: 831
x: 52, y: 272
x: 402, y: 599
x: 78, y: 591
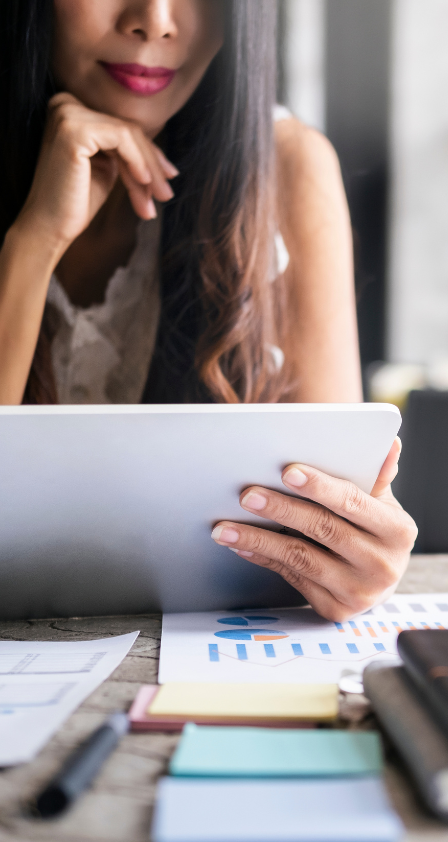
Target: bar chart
x: 289, y: 645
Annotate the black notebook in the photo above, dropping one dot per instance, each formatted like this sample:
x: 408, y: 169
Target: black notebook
x: 425, y: 657
x: 412, y: 728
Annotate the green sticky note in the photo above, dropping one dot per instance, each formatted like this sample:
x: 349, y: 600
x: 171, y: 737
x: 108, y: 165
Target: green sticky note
x: 224, y: 752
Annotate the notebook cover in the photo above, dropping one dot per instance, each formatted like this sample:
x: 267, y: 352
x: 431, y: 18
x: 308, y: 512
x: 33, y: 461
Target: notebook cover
x: 412, y: 728
x: 425, y: 656
x: 259, y: 752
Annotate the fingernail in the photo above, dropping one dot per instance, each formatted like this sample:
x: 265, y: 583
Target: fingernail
x: 173, y: 171
x: 152, y: 209
x: 225, y: 535
x: 169, y: 190
x: 240, y: 552
x: 295, y: 478
x: 254, y: 501
x: 169, y: 166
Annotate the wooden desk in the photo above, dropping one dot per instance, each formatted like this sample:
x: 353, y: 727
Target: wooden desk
x: 118, y: 807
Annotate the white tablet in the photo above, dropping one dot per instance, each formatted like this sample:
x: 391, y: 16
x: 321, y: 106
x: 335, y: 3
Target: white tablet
x: 109, y: 509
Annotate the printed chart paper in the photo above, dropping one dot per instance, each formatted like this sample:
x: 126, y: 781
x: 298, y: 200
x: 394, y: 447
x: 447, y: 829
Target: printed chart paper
x: 42, y: 683
x: 289, y: 645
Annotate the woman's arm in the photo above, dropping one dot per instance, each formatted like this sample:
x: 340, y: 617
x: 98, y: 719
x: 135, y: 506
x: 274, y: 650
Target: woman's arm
x: 27, y: 260
x: 364, y: 540
x: 315, y: 224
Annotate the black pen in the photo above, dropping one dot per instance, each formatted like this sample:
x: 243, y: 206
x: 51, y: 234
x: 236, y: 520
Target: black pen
x: 81, y: 767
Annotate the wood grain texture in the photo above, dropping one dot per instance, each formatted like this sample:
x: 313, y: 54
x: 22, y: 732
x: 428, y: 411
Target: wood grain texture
x: 118, y: 807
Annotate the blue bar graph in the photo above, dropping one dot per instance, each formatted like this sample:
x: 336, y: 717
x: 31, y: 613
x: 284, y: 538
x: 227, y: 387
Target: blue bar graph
x: 352, y: 648
x: 269, y: 649
x: 297, y: 649
x: 241, y: 651
x: 213, y: 653
x: 325, y: 649
x: 380, y: 647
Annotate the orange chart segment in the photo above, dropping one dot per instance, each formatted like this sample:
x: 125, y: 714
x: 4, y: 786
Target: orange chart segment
x: 269, y: 636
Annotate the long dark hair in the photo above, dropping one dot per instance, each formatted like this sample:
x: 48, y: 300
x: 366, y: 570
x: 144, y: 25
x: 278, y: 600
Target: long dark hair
x: 220, y: 315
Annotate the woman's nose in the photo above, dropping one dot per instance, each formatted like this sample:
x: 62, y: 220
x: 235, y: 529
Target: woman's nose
x: 149, y: 20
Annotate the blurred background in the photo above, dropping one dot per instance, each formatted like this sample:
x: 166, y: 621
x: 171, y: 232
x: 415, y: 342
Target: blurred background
x: 373, y: 75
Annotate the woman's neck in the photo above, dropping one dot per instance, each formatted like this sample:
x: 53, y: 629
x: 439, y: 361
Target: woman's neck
x: 88, y: 264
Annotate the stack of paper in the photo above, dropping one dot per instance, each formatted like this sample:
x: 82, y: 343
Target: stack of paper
x: 42, y: 683
x: 277, y: 668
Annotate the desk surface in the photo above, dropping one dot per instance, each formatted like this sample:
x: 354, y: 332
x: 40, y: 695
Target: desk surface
x: 118, y: 807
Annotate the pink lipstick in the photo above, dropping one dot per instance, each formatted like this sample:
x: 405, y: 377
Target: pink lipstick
x: 139, y: 79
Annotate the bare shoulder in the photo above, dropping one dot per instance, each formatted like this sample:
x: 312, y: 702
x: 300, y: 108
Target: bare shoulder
x: 310, y: 189
x: 314, y: 220
x: 303, y: 151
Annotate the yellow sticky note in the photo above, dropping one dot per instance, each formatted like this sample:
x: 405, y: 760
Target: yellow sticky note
x: 246, y: 701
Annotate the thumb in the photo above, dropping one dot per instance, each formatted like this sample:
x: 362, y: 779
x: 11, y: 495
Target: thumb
x: 389, y: 470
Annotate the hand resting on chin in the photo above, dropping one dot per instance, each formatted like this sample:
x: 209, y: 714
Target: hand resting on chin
x: 366, y: 539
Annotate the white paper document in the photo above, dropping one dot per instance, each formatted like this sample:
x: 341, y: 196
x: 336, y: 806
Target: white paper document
x: 42, y: 683
x: 289, y: 645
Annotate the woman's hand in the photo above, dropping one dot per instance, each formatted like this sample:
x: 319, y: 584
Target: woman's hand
x: 366, y: 538
x: 82, y: 154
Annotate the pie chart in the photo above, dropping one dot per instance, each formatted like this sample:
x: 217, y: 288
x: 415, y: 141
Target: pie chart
x: 251, y: 634
x: 247, y: 621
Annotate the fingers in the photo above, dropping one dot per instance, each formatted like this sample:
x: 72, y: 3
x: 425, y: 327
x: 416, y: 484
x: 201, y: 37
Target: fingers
x: 321, y: 599
x: 139, y: 194
x: 143, y: 167
x: 343, y: 498
x: 317, y: 574
x: 159, y: 167
x: 292, y: 557
x: 366, y: 540
x: 358, y: 547
x: 314, y: 521
x: 389, y: 470
x: 307, y: 567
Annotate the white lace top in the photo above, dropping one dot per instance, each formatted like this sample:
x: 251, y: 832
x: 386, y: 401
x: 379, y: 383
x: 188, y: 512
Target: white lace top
x: 102, y: 354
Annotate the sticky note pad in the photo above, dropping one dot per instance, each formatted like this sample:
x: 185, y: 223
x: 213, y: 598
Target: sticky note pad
x: 352, y: 810
x: 252, y: 702
x: 264, y: 753
x: 141, y: 720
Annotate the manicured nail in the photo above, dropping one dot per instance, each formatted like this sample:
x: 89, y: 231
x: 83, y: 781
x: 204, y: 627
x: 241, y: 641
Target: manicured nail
x: 173, y: 171
x: 152, y: 209
x: 240, y: 552
x: 169, y: 167
x: 254, y: 501
x: 225, y: 535
x: 295, y: 478
x: 169, y: 190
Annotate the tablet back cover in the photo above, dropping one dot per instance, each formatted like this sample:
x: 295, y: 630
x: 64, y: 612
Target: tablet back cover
x: 108, y: 510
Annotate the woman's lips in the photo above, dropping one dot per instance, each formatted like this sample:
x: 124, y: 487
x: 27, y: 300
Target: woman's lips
x: 139, y: 79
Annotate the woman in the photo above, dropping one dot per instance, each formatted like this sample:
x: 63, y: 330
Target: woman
x: 252, y: 250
